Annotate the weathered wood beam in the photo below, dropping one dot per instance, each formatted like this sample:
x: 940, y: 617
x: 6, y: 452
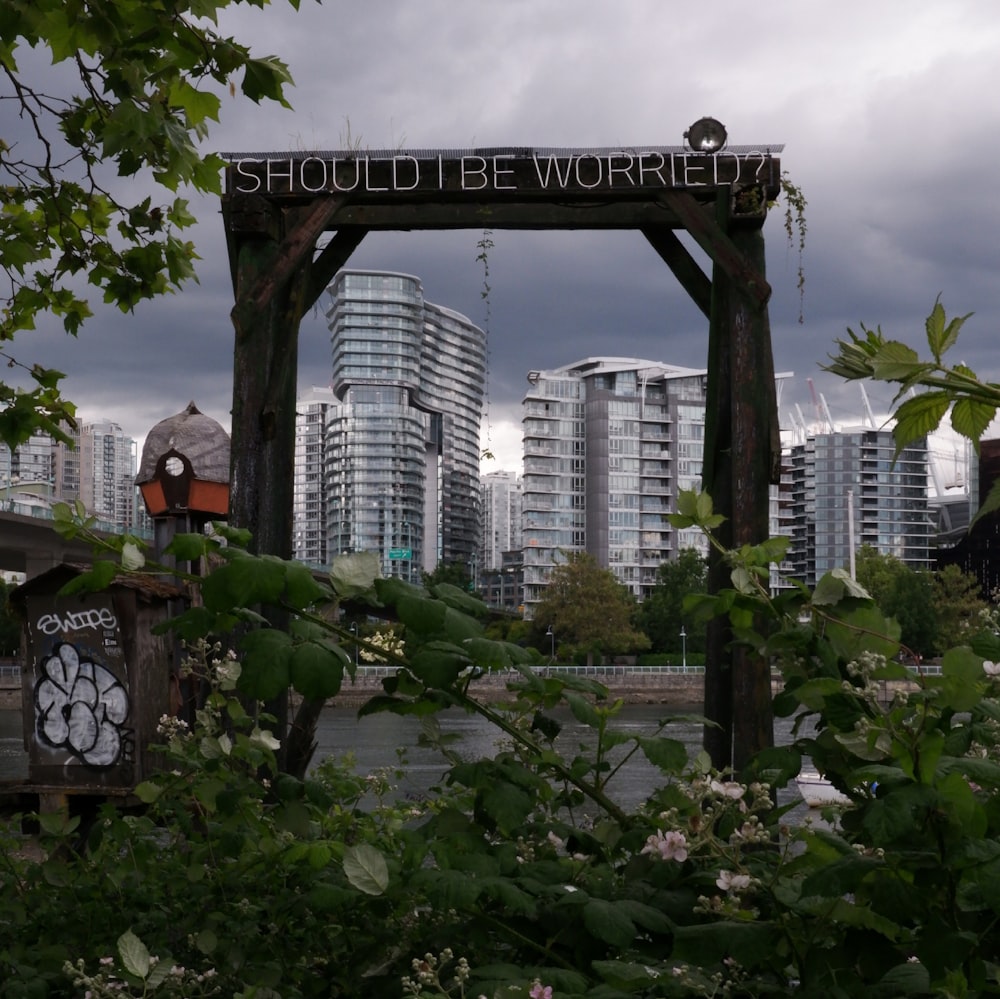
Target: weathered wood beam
x: 742, y: 458
x: 332, y: 257
x: 684, y: 267
x: 303, y: 228
x: 717, y: 244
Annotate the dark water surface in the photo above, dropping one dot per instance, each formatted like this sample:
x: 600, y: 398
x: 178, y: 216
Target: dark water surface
x: 375, y: 741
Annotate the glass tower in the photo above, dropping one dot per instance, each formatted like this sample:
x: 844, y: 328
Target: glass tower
x: 402, y: 445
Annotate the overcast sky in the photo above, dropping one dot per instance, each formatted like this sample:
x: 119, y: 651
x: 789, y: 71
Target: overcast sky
x: 888, y: 111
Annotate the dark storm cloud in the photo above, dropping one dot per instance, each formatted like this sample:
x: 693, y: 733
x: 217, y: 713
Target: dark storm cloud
x: 888, y: 113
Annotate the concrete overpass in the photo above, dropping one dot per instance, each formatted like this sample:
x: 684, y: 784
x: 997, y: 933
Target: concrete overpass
x: 30, y: 544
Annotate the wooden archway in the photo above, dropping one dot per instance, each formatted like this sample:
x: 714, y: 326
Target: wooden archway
x: 276, y: 206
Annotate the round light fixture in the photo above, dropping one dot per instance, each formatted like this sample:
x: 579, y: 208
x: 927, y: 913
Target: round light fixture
x: 707, y: 135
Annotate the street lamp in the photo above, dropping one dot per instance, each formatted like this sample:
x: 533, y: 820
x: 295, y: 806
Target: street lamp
x: 684, y: 655
x: 354, y: 632
x: 552, y: 644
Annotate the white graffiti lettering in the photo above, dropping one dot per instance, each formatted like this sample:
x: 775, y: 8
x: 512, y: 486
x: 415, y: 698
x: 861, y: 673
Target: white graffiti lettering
x: 81, y: 706
x: 95, y: 617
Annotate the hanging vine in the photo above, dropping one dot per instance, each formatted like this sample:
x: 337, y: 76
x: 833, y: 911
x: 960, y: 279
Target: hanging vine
x: 795, y: 230
x: 484, y: 246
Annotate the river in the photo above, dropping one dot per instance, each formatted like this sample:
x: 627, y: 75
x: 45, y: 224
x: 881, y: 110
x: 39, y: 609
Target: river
x: 376, y: 740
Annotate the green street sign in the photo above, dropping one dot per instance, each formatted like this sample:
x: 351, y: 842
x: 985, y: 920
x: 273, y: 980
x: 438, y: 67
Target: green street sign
x: 400, y: 553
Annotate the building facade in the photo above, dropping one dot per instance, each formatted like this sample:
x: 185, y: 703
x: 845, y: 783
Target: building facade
x: 309, y: 506
x: 501, y: 506
x: 851, y: 478
x: 608, y: 444
x: 107, y: 472
x: 402, y: 442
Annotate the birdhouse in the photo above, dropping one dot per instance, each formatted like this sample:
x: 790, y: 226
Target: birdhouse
x: 184, y: 471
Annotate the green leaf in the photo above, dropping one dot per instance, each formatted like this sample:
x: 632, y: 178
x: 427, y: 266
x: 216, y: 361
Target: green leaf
x: 835, y: 586
x: 316, y: 669
x: 895, y: 361
x: 910, y: 979
x: 421, y: 614
x: 608, y: 922
x: 438, y: 664
x: 941, y: 338
x: 189, y: 547
x: 970, y: 417
x: 670, y: 755
x: 243, y: 581
x: 354, y: 575
x: 366, y: 869
x: 493, y: 655
x: 583, y: 711
x: 917, y: 416
x: 265, y: 674
x: 506, y: 804
x: 148, y: 792
x: 302, y: 588
x: 134, y: 955
x: 625, y: 975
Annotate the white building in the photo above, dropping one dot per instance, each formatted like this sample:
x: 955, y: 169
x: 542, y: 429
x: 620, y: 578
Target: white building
x: 107, y: 472
x: 501, y: 505
x: 608, y: 444
x: 847, y: 489
x: 309, y: 508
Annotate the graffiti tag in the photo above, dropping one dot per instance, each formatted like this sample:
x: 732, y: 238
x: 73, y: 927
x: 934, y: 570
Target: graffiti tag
x: 81, y: 706
x: 94, y: 617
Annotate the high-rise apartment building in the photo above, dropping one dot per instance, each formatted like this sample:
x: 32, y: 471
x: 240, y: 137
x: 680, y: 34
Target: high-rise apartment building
x: 98, y: 469
x: 309, y: 509
x: 107, y: 472
x: 608, y: 444
x: 501, y: 504
x: 29, y: 463
x: 402, y: 473
x: 836, y: 480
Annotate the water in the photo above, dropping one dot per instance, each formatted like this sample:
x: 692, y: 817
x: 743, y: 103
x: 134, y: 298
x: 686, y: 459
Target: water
x: 374, y: 742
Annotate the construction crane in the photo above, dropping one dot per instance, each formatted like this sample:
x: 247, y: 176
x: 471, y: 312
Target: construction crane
x: 868, y: 406
x: 823, y: 417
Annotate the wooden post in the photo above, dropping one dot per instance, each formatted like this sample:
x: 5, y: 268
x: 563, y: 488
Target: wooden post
x: 265, y: 360
x: 756, y: 448
x: 742, y: 458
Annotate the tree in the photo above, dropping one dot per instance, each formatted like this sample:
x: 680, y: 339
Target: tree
x: 456, y: 573
x: 902, y: 593
x: 131, y: 92
x: 588, y: 609
x: 662, y: 616
x: 959, y: 607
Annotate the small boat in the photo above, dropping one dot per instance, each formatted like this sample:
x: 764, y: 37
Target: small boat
x: 817, y: 791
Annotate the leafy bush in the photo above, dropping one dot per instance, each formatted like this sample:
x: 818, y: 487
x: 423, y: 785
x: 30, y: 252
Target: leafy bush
x: 522, y: 874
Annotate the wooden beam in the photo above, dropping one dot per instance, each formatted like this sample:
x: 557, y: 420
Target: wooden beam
x: 332, y: 257
x: 684, y: 267
x: 297, y: 246
x: 714, y: 241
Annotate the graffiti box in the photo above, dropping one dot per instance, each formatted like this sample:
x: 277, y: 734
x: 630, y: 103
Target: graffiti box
x: 95, y: 680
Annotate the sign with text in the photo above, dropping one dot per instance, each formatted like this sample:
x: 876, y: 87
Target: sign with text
x: 400, y: 553
x: 498, y: 172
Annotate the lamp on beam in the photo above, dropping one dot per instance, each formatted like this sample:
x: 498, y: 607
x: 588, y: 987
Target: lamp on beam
x: 707, y: 135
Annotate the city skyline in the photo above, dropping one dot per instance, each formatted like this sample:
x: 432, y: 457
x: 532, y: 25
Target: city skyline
x: 879, y: 143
